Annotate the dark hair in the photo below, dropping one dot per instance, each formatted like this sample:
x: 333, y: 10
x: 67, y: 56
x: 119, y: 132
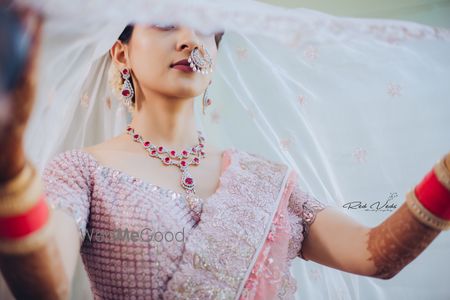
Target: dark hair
x: 125, y: 37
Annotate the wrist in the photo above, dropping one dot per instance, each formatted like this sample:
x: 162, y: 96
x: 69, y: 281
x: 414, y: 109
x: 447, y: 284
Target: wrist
x: 434, y: 191
x: 429, y: 200
x: 24, y: 213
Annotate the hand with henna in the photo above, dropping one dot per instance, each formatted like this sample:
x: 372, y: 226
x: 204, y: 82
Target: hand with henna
x: 38, y: 274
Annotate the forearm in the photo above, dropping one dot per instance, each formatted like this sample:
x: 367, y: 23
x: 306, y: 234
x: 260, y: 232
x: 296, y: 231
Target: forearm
x: 397, y: 241
x: 403, y: 236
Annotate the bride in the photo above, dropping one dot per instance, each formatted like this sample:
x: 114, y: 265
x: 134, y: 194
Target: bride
x: 160, y: 211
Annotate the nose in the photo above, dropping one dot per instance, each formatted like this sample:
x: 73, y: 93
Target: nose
x: 188, y: 39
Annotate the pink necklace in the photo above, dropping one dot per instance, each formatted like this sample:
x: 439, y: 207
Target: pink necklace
x: 180, y: 159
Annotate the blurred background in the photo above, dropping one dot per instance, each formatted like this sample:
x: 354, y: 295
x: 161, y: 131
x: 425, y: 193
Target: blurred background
x: 431, y: 12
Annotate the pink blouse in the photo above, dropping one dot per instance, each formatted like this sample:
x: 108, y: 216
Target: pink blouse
x: 133, y: 233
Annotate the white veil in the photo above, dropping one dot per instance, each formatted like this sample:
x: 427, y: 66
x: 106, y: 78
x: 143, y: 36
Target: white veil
x: 359, y: 107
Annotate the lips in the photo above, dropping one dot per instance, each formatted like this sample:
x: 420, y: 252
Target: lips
x: 183, y: 62
x: 182, y: 65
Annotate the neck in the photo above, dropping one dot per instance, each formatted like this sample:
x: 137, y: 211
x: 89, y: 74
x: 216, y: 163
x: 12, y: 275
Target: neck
x: 169, y: 122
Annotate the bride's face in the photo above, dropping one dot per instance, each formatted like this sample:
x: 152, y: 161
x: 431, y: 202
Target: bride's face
x: 152, y: 52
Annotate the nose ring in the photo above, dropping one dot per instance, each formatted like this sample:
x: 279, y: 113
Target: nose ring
x: 200, y: 62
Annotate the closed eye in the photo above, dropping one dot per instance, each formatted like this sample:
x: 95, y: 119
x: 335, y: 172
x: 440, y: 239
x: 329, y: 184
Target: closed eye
x: 165, y: 27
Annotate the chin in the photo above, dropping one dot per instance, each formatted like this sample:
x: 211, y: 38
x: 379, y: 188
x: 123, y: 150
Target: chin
x: 186, y: 92
x: 188, y: 95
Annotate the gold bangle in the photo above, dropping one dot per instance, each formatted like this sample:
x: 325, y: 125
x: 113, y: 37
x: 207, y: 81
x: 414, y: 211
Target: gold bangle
x: 15, y: 204
x: 442, y: 173
x: 31, y: 242
x: 423, y: 214
x: 17, y: 184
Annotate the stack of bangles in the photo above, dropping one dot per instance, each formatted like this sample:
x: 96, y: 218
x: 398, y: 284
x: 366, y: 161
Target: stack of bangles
x: 24, y: 213
x: 429, y: 201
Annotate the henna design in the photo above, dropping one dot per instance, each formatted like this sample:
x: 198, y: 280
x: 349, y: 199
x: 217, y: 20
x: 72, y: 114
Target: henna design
x: 397, y: 241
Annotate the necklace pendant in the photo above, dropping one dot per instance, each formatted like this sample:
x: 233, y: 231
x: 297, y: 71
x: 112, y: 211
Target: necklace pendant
x: 187, y: 182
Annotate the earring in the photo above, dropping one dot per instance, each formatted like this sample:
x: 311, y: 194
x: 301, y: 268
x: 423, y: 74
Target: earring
x: 127, y: 89
x: 206, y: 101
x: 199, y: 62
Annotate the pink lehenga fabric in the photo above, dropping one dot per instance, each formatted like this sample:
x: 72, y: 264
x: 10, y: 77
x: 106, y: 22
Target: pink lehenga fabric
x: 250, y: 230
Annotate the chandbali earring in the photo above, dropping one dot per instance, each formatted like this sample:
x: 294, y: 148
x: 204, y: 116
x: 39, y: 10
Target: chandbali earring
x: 200, y: 61
x: 206, y: 100
x: 127, y: 89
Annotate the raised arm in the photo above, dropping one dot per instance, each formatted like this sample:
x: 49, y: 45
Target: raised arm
x: 338, y: 241
x: 37, y: 257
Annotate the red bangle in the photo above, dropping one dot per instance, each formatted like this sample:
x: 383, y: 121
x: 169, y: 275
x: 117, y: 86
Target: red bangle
x: 21, y: 225
x: 434, y: 196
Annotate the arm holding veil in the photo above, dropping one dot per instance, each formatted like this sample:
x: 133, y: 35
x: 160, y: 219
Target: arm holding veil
x: 382, y: 251
x: 34, y: 268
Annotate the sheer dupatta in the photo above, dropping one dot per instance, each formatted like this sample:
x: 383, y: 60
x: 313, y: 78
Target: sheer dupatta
x: 361, y: 100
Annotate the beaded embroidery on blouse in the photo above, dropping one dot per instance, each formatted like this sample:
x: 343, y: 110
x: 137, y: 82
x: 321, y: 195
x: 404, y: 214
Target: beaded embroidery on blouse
x: 211, y: 260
